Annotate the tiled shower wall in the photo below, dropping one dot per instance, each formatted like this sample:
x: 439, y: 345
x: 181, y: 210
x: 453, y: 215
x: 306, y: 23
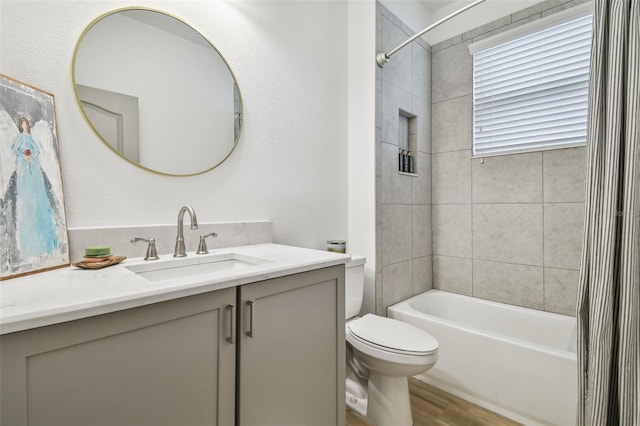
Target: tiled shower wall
x: 403, y: 202
x: 505, y: 228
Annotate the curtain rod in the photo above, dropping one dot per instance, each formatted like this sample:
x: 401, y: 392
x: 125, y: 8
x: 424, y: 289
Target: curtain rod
x: 382, y: 57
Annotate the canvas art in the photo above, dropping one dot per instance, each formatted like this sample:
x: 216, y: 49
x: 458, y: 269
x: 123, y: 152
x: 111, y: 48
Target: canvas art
x: 33, y: 230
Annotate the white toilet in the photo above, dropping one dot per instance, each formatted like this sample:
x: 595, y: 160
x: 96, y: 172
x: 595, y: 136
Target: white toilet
x: 381, y: 353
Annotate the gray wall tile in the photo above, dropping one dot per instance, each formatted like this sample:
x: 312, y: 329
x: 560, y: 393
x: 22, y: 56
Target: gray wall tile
x: 396, y: 188
x: 379, y: 249
x: 380, y: 309
x: 519, y: 21
x: 452, y: 274
x: 451, y: 125
x: 520, y: 285
x: 397, y: 283
x: 563, y: 235
x: 536, y: 9
x: 446, y: 43
x: 423, y: 119
x: 451, y: 177
x: 378, y: 119
x: 563, y: 6
x: 421, y: 193
x: 493, y: 25
x: 421, y: 232
x: 396, y: 233
x: 451, y: 73
x: 382, y: 11
x: 564, y: 175
x: 421, y: 72
x: 422, y: 274
x: 507, y: 27
x: 560, y: 290
x: 510, y: 233
x: 378, y: 200
x: 378, y: 153
x: 413, y: 140
x: 403, y: 202
x: 395, y: 99
x: 451, y: 227
x: 397, y: 71
x: 513, y: 178
x: 523, y: 232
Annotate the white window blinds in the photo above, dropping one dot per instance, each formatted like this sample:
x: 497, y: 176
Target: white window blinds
x: 531, y: 93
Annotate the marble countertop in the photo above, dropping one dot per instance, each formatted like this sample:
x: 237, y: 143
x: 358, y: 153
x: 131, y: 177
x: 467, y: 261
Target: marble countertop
x: 72, y: 293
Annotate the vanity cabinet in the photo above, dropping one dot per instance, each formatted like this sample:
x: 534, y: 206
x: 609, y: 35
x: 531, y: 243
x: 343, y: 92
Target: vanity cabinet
x: 167, y: 363
x: 291, y: 350
x: 265, y: 353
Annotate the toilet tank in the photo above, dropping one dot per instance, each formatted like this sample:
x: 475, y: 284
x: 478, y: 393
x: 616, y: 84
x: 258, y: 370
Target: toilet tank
x: 354, y: 285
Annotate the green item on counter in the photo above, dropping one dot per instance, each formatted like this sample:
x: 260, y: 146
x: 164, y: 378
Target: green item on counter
x: 97, y: 251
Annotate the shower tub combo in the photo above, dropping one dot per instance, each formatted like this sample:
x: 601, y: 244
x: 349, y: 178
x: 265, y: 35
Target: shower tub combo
x: 515, y: 361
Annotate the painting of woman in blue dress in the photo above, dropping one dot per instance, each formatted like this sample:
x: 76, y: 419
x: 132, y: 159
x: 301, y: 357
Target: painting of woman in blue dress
x: 32, y: 218
x: 36, y: 231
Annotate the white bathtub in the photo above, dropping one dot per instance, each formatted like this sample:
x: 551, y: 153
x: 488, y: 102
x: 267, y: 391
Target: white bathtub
x: 515, y: 361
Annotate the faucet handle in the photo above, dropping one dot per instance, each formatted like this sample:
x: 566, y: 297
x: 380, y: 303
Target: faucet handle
x: 202, y: 245
x: 152, y: 253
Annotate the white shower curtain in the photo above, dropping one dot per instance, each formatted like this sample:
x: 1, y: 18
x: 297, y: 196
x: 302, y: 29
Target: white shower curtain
x: 608, y: 308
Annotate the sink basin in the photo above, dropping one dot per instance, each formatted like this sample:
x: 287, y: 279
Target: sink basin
x: 184, y: 267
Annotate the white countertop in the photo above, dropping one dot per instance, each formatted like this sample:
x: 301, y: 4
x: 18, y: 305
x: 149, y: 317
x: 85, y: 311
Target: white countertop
x: 72, y: 293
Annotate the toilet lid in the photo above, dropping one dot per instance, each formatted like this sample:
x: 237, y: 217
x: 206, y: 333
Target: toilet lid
x: 393, y: 334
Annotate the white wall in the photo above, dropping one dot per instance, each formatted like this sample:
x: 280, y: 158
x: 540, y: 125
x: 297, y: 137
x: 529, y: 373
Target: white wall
x: 362, y: 97
x: 290, y: 59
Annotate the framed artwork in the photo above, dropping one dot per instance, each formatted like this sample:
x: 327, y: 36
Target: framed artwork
x: 33, y: 226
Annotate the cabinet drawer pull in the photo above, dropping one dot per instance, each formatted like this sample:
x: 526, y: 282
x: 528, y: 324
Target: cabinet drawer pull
x: 252, y: 314
x: 232, y: 324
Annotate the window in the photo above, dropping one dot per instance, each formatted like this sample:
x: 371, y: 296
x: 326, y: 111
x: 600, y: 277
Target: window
x: 530, y: 92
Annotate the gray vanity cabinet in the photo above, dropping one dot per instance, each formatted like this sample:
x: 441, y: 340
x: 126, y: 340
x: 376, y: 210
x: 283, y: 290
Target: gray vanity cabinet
x: 291, y: 350
x: 163, y: 364
x: 279, y: 341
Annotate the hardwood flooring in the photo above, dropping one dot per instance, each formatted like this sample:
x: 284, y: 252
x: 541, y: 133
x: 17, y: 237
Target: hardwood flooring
x: 432, y: 407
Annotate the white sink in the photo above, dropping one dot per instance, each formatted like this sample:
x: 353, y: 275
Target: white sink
x: 162, y: 270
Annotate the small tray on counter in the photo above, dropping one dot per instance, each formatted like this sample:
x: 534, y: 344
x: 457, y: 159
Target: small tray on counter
x: 111, y: 260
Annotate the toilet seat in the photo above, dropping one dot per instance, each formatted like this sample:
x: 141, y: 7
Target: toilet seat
x: 391, y: 335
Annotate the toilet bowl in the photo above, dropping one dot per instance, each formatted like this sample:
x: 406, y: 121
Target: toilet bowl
x: 381, y: 353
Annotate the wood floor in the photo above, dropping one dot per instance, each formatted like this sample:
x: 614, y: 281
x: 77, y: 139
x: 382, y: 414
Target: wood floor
x: 432, y: 407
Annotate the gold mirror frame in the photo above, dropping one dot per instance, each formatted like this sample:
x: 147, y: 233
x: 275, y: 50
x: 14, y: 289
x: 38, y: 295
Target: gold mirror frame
x: 237, y: 110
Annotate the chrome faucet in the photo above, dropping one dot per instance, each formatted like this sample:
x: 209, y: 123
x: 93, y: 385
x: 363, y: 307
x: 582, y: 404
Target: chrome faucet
x: 179, y: 251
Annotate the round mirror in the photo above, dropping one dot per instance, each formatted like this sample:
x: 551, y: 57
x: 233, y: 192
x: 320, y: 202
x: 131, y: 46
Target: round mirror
x: 157, y: 92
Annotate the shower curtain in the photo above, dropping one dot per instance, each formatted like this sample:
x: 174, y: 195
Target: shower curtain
x: 608, y: 309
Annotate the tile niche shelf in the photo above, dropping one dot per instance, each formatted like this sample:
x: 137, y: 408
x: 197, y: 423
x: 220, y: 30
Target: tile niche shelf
x: 407, y: 143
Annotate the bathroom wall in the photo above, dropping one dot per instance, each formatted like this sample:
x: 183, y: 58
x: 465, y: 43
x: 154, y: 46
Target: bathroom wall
x: 505, y: 228
x: 403, y: 202
x: 480, y: 15
x: 290, y: 167
x: 414, y: 14
x: 361, y: 237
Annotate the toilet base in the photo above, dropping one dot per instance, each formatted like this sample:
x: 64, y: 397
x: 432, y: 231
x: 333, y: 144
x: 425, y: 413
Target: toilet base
x: 383, y: 402
x: 357, y: 397
x: 388, y: 401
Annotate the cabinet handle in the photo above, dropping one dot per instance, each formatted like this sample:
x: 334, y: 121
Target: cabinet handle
x: 252, y: 314
x: 232, y: 322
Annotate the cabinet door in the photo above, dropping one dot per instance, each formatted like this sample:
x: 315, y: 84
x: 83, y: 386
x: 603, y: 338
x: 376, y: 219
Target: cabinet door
x: 291, y: 350
x: 163, y: 364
